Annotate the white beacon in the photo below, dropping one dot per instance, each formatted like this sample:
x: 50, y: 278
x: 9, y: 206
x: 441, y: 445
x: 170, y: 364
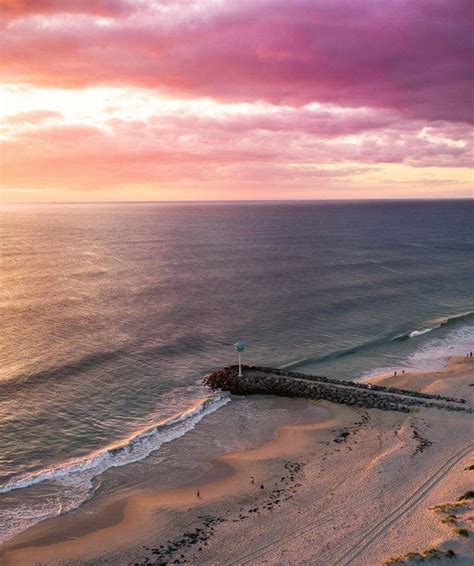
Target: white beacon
x: 239, y: 348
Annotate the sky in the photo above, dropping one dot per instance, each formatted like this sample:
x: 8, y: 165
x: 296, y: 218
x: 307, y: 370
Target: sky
x: 128, y: 100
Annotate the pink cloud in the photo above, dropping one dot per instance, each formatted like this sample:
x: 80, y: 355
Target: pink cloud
x: 325, y: 122
x: 410, y: 56
x: 33, y: 117
x: 162, y: 150
x: 13, y: 9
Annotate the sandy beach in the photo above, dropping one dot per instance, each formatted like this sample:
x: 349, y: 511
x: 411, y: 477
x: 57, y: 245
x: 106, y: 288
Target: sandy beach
x: 236, y: 262
x: 357, y: 488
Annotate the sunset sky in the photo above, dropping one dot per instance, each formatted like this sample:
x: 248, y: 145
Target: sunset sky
x: 121, y: 100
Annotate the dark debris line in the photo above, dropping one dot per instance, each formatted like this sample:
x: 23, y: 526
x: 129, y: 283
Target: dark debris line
x: 185, y: 549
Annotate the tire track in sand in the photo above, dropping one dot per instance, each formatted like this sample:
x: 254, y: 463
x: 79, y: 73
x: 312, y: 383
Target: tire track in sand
x: 415, y: 497
x: 373, y: 532
x: 248, y: 558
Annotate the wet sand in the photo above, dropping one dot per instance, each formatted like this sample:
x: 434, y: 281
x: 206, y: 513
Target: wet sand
x: 355, y: 488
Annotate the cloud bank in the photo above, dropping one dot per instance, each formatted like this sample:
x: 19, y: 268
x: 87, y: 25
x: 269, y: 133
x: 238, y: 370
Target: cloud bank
x: 296, y: 91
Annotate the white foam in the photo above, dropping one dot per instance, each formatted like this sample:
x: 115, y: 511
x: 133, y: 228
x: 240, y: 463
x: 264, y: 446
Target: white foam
x: 433, y: 354
x: 15, y: 520
x: 132, y: 449
x: 422, y: 331
x: 76, y: 476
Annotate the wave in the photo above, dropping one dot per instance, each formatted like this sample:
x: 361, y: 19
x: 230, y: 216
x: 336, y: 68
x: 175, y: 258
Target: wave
x: 434, y: 324
x: 429, y: 355
x: 63, y: 371
x: 424, y: 328
x: 77, y: 367
x: 420, y: 332
x: 335, y: 355
x: 131, y: 449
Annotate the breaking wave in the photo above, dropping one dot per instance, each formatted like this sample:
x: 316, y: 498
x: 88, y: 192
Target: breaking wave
x: 423, y: 328
x: 132, y: 449
x: 434, y: 324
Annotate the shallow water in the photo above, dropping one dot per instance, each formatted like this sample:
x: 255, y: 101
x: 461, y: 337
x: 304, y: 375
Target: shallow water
x: 112, y: 313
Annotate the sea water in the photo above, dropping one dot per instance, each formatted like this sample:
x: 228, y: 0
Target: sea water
x: 112, y: 314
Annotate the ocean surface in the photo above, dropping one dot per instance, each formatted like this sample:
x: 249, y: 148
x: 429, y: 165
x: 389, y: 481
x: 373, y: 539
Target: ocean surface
x: 112, y: 313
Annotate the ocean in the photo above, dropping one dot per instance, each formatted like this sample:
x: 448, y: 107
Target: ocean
x: 112, y: 314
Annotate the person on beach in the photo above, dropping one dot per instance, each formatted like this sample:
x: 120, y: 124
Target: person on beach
x: 395, y: 374
x: 198, y: 493
x: 261, y: 487
x: 252, y: 480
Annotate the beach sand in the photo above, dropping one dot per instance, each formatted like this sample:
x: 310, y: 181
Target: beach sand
x: 356, y: 488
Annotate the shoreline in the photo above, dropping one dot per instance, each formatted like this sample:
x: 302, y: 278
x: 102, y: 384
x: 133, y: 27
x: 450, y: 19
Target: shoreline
x: 224, y: 466
x: 299, y: 457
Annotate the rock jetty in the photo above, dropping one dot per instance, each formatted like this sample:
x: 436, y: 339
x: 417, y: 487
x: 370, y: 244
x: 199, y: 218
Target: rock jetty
x: 257, y: 380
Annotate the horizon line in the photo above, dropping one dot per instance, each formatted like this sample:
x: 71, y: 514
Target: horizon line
x: 210, y: 201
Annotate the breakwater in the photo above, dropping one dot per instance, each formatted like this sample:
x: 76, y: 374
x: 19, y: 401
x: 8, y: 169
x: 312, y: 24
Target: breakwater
x: 257, y: 380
